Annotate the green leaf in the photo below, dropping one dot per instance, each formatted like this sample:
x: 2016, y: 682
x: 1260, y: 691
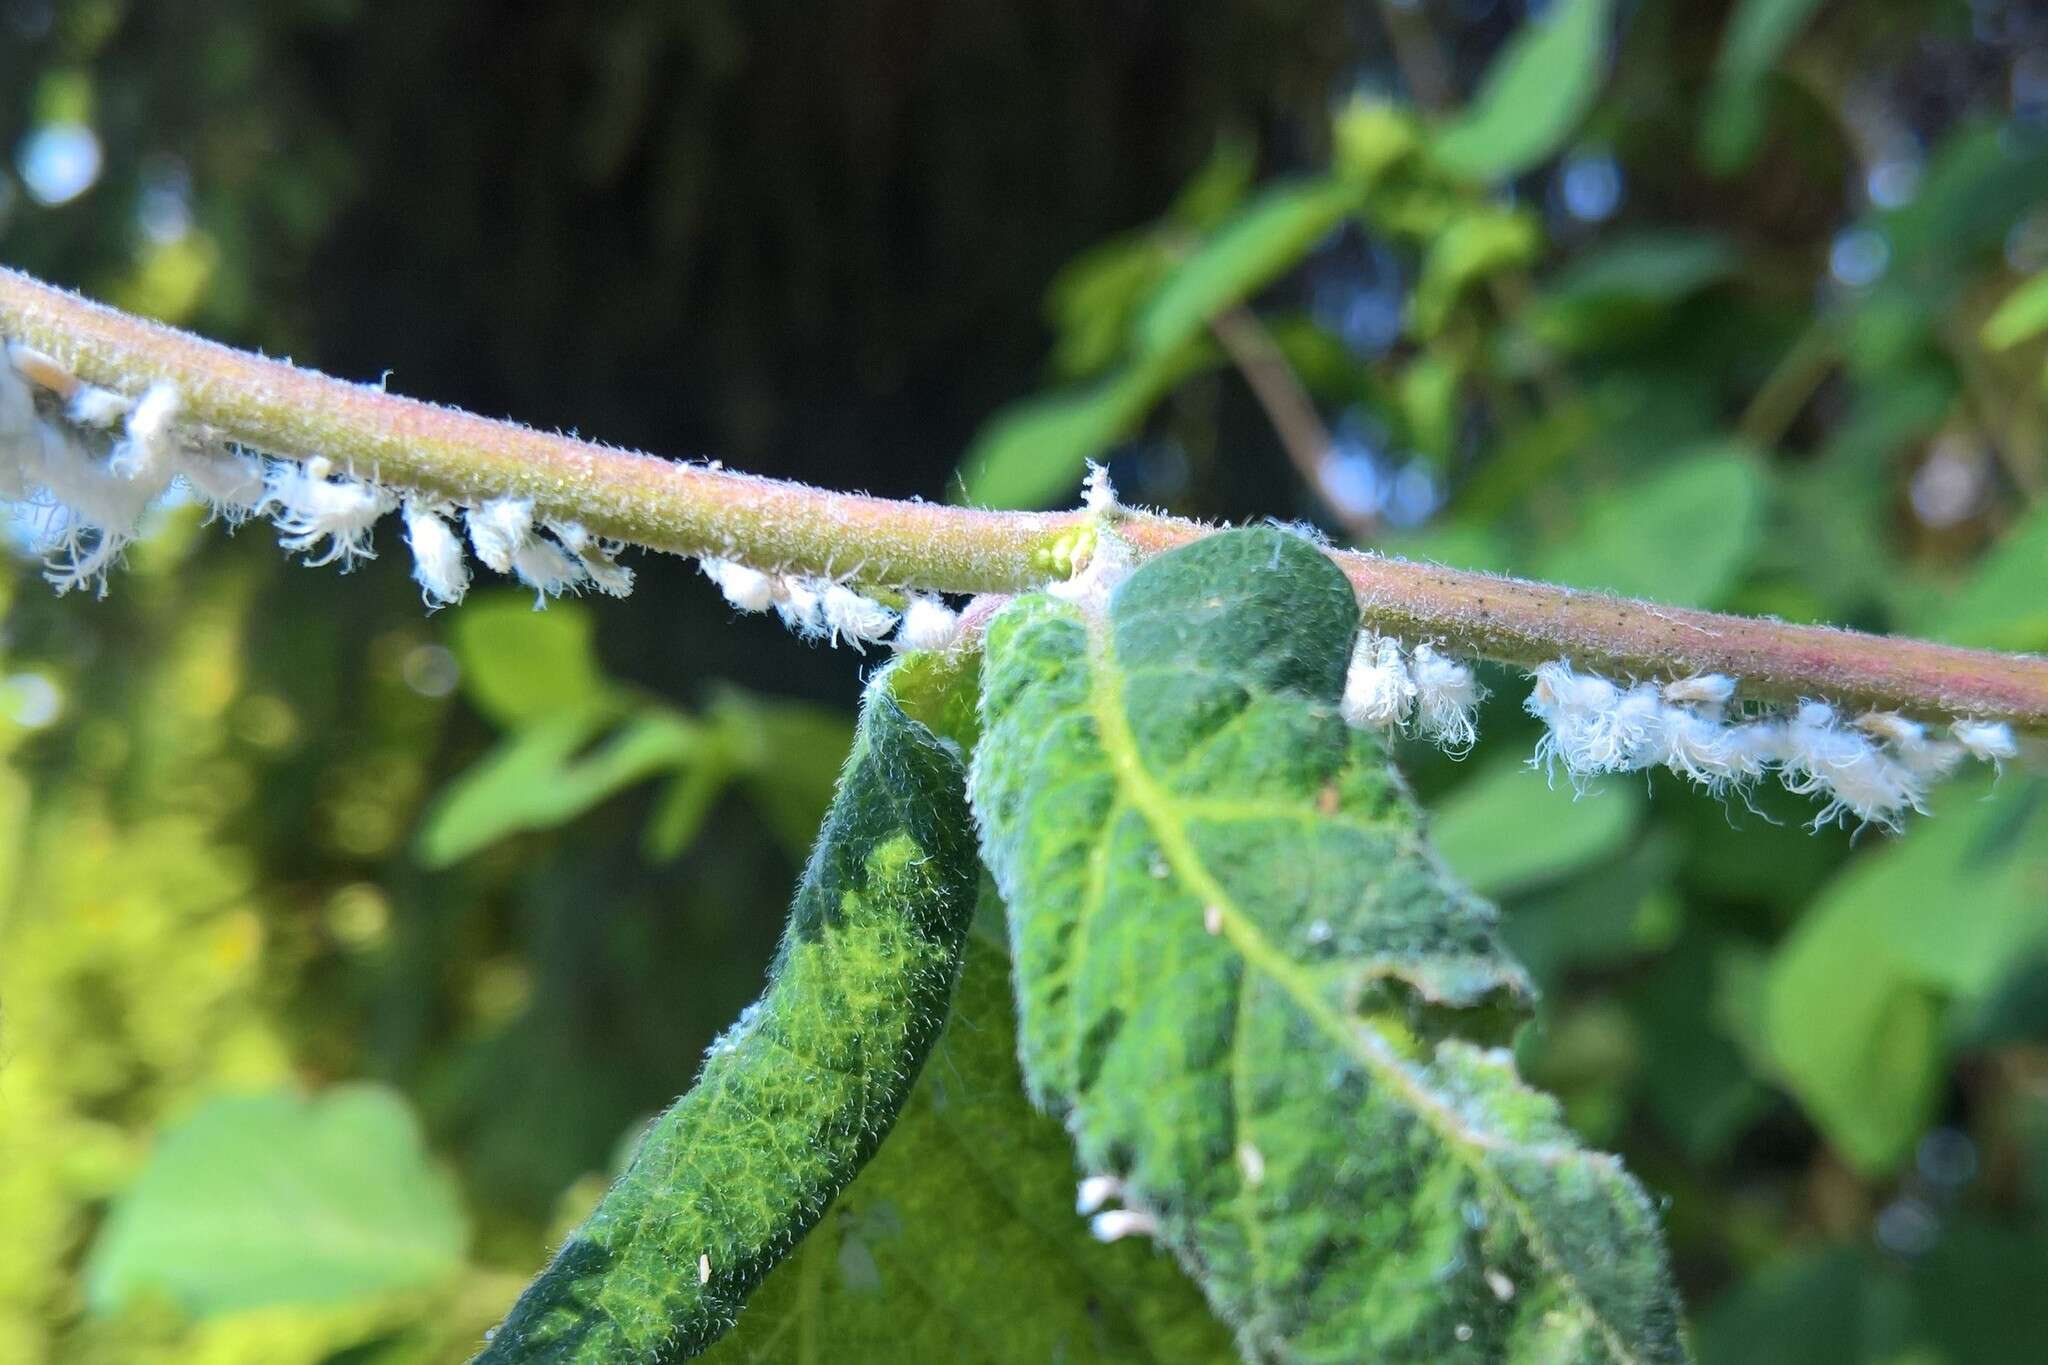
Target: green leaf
x: 1694, y: 1078
x: 1429, y: 405
x: 1756, y: 37
x: 1533, y: 95
x: 520, y: 665
x: 1477, y: 244
x: 1975, y: 1293
x: 1619, y: 290
x: 1758, y: 34
x: 1855, y: 1000
x: 1612, y: 914
x: 261, y: 1200
x: 1832, y: 1307
x: 1033, y: 451
x: 1508, y: 828
x: 1251, y: 249
x: 1219, y: 186
x: 788, y: 755
x: 1237, y: 960
x: 2002, y: 605
x: 795, y: 1097
x: 682, y: 807
x: 2022, y: 317
x: 1370, y: 137
x: 534, y: 779
x: 1094, y: 298
x: 1657, y: 267
x: 1978, y: 182
x: 970, y: 1201
x: 1682, y: 536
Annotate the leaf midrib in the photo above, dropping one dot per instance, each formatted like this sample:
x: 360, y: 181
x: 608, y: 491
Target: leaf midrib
x: 1155, y: 807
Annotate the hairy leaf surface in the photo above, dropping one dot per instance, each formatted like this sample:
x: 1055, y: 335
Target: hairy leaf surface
x: 1238, y: 962
x: 959, y: 1241
x: 794, y: 1098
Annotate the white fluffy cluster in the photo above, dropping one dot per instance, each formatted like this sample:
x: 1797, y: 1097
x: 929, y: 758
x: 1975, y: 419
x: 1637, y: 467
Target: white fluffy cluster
x: 1875, y: 768
x: 551, y: 557
x: 1390, y: 687
x: 1111, y: 1225
x: 824, y: 609
x: 91, y: 463
x: 90, y: 467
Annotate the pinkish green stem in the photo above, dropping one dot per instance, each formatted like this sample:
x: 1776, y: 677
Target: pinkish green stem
x: 294, y: 413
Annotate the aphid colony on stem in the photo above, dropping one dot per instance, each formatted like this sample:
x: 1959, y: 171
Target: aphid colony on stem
x: 1874, y: 767
x: 91, y: 462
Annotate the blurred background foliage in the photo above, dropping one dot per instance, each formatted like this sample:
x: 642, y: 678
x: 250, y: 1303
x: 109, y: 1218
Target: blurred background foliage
x: 416, y: 918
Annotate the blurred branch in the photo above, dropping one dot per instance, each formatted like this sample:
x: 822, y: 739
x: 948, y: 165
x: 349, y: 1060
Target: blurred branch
x: 2008, y: 419
x: 1777, y: 402
x: 273, y: 406
x: 1417, y: 54
x: 1288, y: 407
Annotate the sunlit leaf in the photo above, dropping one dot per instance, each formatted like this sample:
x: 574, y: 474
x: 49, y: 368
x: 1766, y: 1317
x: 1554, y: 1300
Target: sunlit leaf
x: 2023, y: 315
x: 1476, y: 245
x: 1246, y: 252
x: 1219, y: 186
x: 1429, y: 394
x: 539, y: 777
x: 1033, y: 451
x: 270, y: 1199
x: 1533, y: 95
x: 1371, y: 137
x: 520, y: 665
x: 1093, y: 300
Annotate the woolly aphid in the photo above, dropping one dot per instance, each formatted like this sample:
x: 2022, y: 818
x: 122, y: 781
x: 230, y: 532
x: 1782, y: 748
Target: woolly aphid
x: 438, y: 564
x: 822, y: 609
x: 1389, y: 687
x: 1107, y: 1224
x: 90, y: 462
x: 1874, y: 768
x: 93, y: 461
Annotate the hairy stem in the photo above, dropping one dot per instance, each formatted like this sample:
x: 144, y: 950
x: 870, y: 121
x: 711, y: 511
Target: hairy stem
x: 294, y: 413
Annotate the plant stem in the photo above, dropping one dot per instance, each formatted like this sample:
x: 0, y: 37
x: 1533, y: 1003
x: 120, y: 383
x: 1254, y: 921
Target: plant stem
x: 1291, y: 411
x: 1778, y: 400
x: 292, y: 413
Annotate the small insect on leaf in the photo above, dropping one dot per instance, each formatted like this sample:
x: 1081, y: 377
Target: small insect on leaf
x: 796, y: 1096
